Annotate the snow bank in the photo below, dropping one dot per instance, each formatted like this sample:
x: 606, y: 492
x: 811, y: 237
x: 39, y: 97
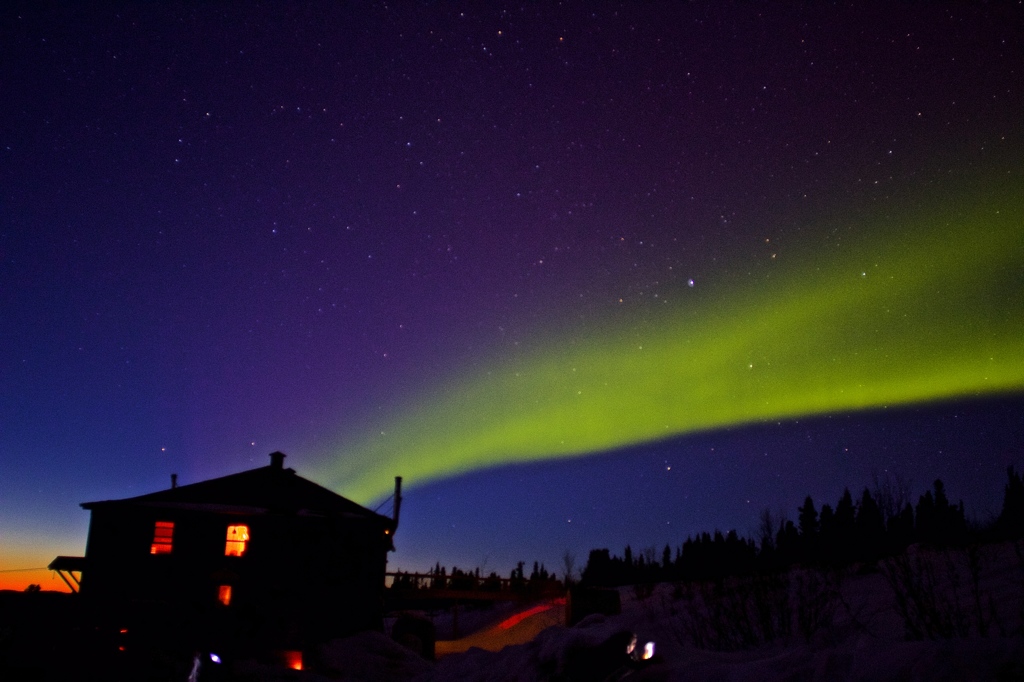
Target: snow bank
x: 370, y: 657
x: 857, y: 633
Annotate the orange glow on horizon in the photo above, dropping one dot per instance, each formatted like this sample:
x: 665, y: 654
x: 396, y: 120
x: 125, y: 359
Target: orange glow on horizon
x: 12, y: 577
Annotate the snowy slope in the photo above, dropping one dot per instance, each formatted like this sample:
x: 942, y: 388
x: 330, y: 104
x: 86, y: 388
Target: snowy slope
x: 806, y: 626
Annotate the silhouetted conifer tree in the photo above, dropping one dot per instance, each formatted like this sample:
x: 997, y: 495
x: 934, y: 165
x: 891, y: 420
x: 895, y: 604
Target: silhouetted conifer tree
x: 870, y: 527
x: 826, y: 520
x: 845, y: 524
x: 925, y: 524
x: 1010, y: 524
x: 845, y: 513
x: 766, y: 530
x: 938, y: 522
x: 900, y: 529
x: 598, y: 571
x: 787, y: 543
x: 807, y: 517
x: 828, y: 539
x: 685, y: 561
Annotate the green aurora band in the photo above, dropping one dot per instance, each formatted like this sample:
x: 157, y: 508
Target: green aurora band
x: 934, y: 310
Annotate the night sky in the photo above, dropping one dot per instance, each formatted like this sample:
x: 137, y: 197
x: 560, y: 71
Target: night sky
x: 585, y: 275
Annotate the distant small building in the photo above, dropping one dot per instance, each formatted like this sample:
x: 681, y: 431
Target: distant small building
x: 262, y: 560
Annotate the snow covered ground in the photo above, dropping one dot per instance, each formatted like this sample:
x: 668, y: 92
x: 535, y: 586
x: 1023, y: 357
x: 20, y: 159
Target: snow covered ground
x: 807, y: 626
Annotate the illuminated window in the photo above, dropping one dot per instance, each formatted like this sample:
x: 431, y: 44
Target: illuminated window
x: 224, y: 594
x: 238, y: 538
x: 163, y: 535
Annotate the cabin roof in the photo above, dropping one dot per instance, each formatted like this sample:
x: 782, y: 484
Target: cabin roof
x: 269, y: 489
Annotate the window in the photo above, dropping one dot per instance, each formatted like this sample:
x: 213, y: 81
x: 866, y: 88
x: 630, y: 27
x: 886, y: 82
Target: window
x: 238, y: 538
x: 163, y: 536
x: 224, y: 595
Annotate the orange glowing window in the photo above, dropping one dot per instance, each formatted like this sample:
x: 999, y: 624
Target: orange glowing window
x: 163, y: 536
x: 224, y: 594
x: 238, y: 538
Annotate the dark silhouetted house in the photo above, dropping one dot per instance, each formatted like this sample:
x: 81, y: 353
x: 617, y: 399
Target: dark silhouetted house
x: 259, y: 561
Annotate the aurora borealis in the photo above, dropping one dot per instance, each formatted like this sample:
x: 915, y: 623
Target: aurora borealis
x: 584, y: 274
x: 930, y: 313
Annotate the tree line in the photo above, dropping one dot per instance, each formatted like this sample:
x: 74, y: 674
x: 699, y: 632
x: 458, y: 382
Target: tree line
x: 876, y: 524
x: 440, y: 578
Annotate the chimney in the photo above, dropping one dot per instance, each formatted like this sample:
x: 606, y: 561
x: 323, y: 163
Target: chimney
x: 398, y: 501
x: 174, y: 481
x: 277, y: 460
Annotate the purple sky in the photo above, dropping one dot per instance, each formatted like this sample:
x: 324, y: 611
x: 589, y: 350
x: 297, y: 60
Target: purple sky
x: 229, y: 229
